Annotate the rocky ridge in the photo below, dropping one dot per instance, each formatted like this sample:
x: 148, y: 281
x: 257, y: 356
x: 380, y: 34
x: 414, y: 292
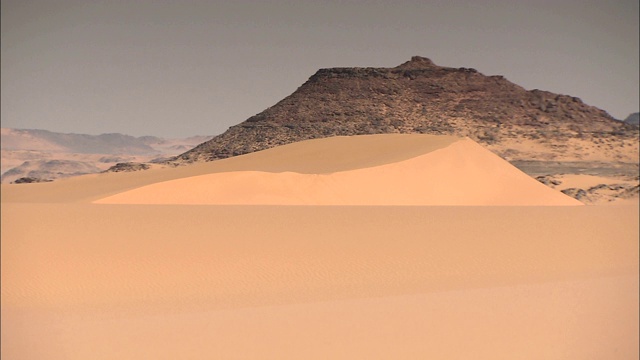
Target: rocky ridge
x: 617, y: 188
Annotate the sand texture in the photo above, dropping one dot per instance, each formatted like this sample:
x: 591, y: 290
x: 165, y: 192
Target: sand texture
x: 92, y: 268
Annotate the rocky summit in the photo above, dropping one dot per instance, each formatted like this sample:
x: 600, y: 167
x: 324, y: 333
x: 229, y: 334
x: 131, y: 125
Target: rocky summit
x: 421, y: 97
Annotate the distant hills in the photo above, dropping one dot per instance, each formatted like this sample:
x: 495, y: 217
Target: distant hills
x: 116, y: 144
x: 633, y: 119
x: 421, y: 97
x: 46, y: 155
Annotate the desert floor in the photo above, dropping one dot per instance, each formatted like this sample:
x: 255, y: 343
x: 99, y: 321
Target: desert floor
x: 377, y: 247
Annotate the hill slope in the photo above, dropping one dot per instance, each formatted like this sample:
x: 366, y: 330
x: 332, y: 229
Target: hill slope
x: 633, y: 119
x: 421, y: 97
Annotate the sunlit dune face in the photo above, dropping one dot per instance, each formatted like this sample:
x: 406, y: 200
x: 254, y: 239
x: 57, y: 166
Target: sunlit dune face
x: 460, y: 173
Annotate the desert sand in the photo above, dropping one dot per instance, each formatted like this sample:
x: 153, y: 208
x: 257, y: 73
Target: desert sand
x: 461, y: 173
x: 332, y: 265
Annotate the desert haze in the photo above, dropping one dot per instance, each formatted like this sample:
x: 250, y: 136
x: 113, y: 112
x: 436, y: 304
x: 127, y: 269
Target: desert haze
x: 378, y: 246
x: 40, y: 155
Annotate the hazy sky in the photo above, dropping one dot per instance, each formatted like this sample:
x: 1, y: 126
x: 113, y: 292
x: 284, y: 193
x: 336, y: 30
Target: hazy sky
x: 181, y: 68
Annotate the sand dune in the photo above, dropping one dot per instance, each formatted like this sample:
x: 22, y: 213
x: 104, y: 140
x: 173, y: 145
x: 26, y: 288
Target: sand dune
x: 460, y: 173
x: 308, y: 157
x: 88, y: 280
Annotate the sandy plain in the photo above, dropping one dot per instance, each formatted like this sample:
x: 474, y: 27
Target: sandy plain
x: 91, y: 269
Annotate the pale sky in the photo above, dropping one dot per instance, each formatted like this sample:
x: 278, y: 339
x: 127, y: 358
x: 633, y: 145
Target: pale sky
x: 182, y: 68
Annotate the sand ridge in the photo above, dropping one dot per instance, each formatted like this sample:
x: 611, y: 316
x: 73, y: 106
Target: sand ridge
x: 460, y: 173
x: 316, y: 156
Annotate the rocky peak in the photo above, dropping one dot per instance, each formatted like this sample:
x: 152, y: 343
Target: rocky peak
x: 416, y: 63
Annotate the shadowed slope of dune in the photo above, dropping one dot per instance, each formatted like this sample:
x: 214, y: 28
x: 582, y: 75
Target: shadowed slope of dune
x: 461, y: 173
x: 308, y: 157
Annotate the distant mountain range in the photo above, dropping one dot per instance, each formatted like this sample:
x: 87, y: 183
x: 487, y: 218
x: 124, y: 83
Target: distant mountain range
x: 47, y: 155
x: 116, y: 144
x: 421, y: 97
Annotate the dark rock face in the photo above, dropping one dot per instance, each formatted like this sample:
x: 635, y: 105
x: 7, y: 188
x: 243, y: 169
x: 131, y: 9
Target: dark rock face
x: 128, y: 167
x: 604, y: 192
x: 631, y: 192
x: 29, y: 180
x: 575, y: 193
x: 548, y: 180
x: 415, y: 97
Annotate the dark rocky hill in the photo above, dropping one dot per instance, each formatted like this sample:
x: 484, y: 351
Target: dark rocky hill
x: 421, y: 97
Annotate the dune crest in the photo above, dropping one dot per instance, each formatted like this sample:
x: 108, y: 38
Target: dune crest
x: 455, y: 173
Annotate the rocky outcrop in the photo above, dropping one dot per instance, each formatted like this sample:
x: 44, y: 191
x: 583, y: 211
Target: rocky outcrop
x: 128, y: 167
x: 48, y: 169
x: 603, y: 193
x: 575, y: 193
x: 29, y: 180
x: 421, y: 97
x: 548, y: 180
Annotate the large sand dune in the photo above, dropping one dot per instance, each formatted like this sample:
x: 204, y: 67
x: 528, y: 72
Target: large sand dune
x: 460, y: 173
x: 82, y: 279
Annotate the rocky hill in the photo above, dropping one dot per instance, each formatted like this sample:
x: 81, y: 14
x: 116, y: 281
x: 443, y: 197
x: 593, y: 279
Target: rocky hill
x: 421, y: 97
